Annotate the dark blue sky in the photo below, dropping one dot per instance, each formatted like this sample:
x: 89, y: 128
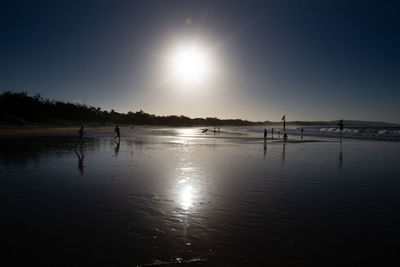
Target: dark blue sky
x: 312, y: 60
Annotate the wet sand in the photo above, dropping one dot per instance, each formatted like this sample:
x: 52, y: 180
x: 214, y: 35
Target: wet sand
x: 173, y: 196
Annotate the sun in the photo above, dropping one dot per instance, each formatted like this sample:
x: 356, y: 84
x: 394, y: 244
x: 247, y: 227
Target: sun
x: 189, y: 64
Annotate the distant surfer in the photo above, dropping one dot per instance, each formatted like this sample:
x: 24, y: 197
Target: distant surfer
x: 116, y: 131
x: 302, y: 130
x: 265, y: 135
x: 272, y: 133
x: 80, y: 137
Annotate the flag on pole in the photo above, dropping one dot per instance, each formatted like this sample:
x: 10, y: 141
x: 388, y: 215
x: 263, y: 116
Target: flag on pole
x: 283, y: 118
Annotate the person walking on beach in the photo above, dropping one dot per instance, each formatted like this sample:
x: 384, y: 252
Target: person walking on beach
x: 265, y: 135
x: 272, y: 133
x: 116, y: 131
x: 80, y: 138
x: 302, y: 130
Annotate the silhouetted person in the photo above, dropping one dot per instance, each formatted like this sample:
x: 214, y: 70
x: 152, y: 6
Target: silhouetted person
x: 80, y: 160
x: 80, y: 137
x: 341, y: 126
x: 302, y: 130
x: 265, y: 135
x: 116, y: 131
x: 272, y: 133
x: 284, y: 128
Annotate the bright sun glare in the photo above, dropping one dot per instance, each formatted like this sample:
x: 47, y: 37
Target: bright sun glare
x: 189, y: 64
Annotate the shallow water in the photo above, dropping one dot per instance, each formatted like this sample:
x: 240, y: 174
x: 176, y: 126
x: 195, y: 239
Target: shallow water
x: 381, y: 133
x: 169, y: 196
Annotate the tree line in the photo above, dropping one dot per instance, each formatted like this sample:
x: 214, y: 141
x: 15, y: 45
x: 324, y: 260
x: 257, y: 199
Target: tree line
x: 20, y: 107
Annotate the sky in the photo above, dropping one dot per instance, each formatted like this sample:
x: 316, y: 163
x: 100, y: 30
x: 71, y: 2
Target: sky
x: 310, y: 60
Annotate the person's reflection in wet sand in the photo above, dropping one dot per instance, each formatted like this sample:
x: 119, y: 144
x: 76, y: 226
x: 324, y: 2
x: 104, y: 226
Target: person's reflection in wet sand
x: 283, y: 152
x: 80, y: 156
x: 340, y: 158
x: 265, y: 149
x: 116, y: 149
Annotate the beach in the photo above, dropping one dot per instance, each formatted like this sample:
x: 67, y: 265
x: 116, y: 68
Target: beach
x: 164, y: 196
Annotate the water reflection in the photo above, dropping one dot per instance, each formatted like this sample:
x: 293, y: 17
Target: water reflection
x: 283, y: 152
x: 340, y: 158
x: 265, y: 149
x: 80, y: 156
x: 186, y: 132
x: 187, y: 197
x: 116, y: 149
x: 187, y: 185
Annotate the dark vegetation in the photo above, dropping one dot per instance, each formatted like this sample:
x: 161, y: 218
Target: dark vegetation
x: 20, y: 108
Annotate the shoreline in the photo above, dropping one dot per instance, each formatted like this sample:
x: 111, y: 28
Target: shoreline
x: 16, y: 131
x: 7, y: 131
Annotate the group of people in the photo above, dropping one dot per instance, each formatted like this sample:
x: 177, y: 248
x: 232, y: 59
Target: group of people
x: 340, y: 124
x: 284, y: 136
x: 81, y: 133
x: 81, y: 142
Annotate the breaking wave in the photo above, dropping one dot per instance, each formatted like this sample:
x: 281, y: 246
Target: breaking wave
x: 359, y: 132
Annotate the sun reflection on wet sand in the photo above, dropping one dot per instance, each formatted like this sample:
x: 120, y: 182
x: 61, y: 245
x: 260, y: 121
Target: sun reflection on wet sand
x: 185, y: 136
x: 186, y: 185
x: 187, y: 132
x: 187, y: 197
